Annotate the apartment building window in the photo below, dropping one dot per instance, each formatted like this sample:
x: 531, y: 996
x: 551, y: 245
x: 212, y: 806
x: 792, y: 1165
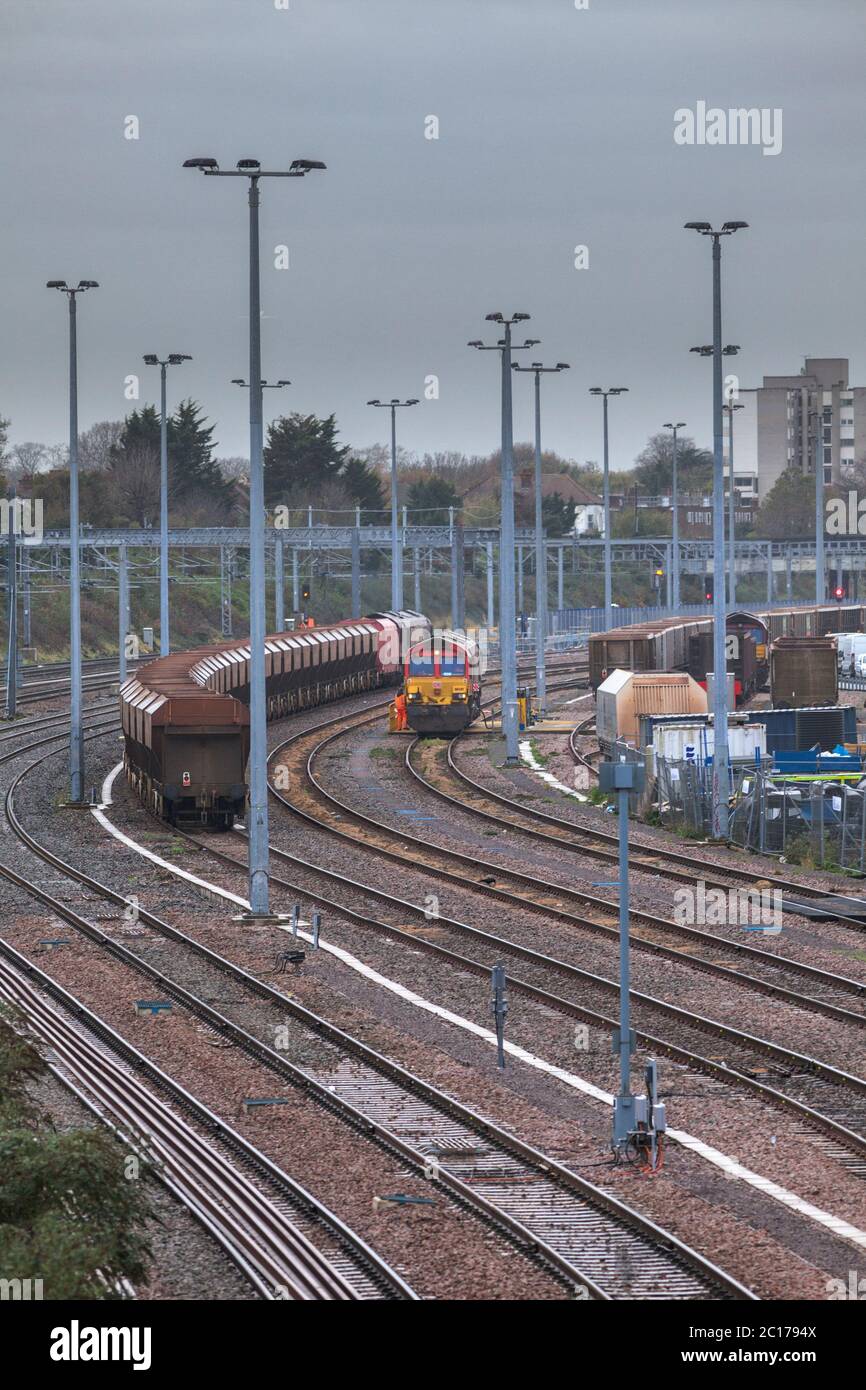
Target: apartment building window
x: 828, y: 475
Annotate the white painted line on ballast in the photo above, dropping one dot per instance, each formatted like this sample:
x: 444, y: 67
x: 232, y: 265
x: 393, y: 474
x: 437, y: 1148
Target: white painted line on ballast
x: 730, y: 1166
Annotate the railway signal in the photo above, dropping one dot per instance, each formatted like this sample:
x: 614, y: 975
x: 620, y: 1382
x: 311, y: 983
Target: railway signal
x: 839, y: 593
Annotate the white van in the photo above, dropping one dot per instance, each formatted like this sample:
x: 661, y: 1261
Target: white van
x: 850, y: 644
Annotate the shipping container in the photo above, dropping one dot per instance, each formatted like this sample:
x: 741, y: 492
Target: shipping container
x: 626, y: 695
x: 803, y: 671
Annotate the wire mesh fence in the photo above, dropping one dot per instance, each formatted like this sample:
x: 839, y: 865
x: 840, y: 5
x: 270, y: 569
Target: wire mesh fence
x: 810, y: 820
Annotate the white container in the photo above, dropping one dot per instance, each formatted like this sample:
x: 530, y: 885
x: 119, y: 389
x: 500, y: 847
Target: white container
x: 691, y: 742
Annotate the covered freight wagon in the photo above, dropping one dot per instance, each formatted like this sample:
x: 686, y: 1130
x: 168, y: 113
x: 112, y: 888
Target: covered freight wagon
x: 803, y: 671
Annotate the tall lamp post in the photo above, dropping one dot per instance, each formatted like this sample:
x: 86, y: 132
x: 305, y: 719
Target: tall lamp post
x: 729, y: 407
x: 608, y: 566
x: 721, y: 764
x: 396, y: 547
x: 278, y: 547
x: 76, y: 737
x: 675, y: 525
x: 540, y: 557
x: 174, y: 359
x: 251, y: 170
x: 820, y: 579
x: 507, y: 620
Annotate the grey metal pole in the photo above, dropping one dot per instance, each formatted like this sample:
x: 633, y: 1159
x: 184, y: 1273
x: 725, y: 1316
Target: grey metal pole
x: 491, y: 611
x: 356, y: 572
x: 507, y: 635
x: 721, y: 767
x: 820, y: 579
x: 669, y: 565
x: 12, y: 611
x: 608, y: 576
x: 788, y: 576
x: 417, y: 577
x: 769, y: 574
x: 257, y: 827
x: 396, y: 551
x: 560, y: 578
x: 296, y: 592
x: 76, y: 737
x: 520, y: 601
x: 732, y: 522
x: 122, y: 609
x: 279, y: 589
x: 164, y: 634
x: 25, y: 597
x: 458, y: 587
x: 675, y: 536
x: 624, y: 1109
x: 540, y: 565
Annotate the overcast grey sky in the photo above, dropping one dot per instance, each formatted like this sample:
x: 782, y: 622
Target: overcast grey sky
x: 556, y: 129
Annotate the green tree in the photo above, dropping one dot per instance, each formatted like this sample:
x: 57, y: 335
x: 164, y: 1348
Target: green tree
x: 363, y: 486
x: 557, y: 514
x: 788, y: 510
x: 431, y: 498
x: 301, y: 455
x: 653, y: 471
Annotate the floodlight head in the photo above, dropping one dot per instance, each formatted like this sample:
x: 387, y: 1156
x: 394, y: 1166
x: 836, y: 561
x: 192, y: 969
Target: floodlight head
x: 730, y: 349
x: 151, y: 359
x: 476, y: 342
x: 733, y: 226
x: 563, y: 367
x: 56, y: 285
x: 284, y: 382
x: 249, y: 164
x: 596, y: 391
x: 493, y: 318
x: 200, y: 164
x: 617, y: 391
x: 520, y: 318
x: 88, y: 285
x: 238, y: 381
x: 413, y: 401
x: 305, y: 165
x: 175, y: 358
x: 705, y: 351
x: 376, y: 402
x: 531, y: 342
x: 703, y: 227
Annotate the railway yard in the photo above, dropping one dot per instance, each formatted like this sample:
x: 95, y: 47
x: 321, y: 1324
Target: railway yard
x: 331, y: 1118
x: 432, y: 822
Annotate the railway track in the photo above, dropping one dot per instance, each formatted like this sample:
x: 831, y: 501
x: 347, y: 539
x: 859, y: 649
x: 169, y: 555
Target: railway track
x: 263, y: 1233
x: 683, y: 864
x: 801, y: 1083
x: 589, y: 1239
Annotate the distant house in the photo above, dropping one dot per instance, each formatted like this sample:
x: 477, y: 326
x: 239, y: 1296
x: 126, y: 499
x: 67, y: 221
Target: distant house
x: 588, y: 511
